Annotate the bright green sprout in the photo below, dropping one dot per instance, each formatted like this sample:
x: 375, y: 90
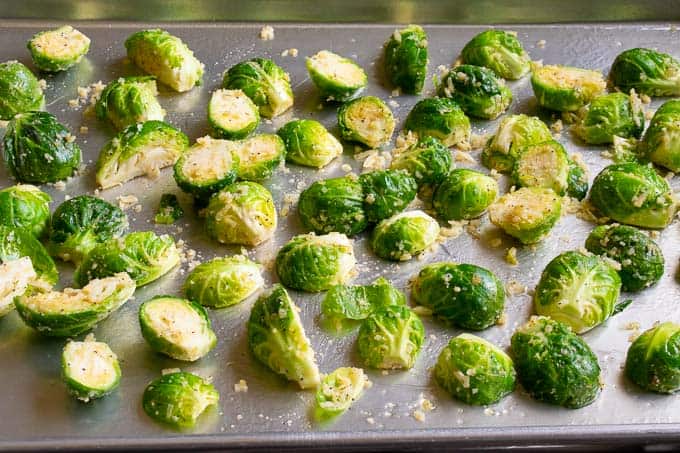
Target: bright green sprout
x: 129, y: 100
x: 25, y: 207
x: 335, y: 204
x: 565, y: 88
x: 20, y: 91
x: 169, y: 210
x: 546, y: 165
x: 338, y: 391
x: 610, y: 115
x: 90, y: 369
x: 15, y: 277
x: 527, y: 214
x: 577, y: 180
x: 515, y: 132
x: 464, y: 194
x: 366, y: 120
x: 440, y: 118
x: 476, y: 90
x: 661, y: 142
x: 17, y: 243
x: 232, y: 114
x: 428, y: 160
x: 386, y: 193
x: 337, y: 78
x: 647, y: 72
x: 59, y: 49
x: 404, y: 235
x: 259, y: 156
x: 406, y: 59
x: 653, y: 360
x: 308, y: 143
x: 499, y: 51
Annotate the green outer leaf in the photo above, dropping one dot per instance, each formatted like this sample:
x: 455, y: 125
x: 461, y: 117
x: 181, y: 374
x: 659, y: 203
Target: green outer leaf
x: 609, y: 115
x: 386, y: 193
x: 26, y: 207
x: 647, y: 72
x: 404, y: 235
x: 129, y: 100
x: 577, y: 181
x: 464, y: 194
x: 428, y: 161
x: 223, y: 282
x: 15, y: 244
x: 440, y: 118
x: 169, y: 210
x: 335, y: 204
x: 499, y: 51
x: 20, y: 91
x: 375, y: 121
x: 476, y: 90
x: 653, y: 360
x: 661, y: 142
x: 406, y: 59
x: 308, y: 143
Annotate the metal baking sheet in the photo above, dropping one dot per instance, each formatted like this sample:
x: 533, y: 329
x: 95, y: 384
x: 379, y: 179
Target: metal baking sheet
x: 36, y: 412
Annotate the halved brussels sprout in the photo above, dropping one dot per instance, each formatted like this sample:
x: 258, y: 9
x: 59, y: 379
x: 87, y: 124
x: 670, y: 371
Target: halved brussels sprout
x: 178, y: 399
x: 242, y: 213
x: 386, y: 192
x: 39, y: 149
x: 609, y: 115
x: 59, y: 49
x: 309, y: 143
x: 440, y: 118
x: 259, y: 156
x: 477, y: 90
x: 366, y: 120
x: 337, y: 78
x: 140, y: 149
x: 527, y: 214
x: 20, y: 90
x: 232, y: 114
x: 565, y: 88
x: 514, y: 133
x: 316, y: 263
x: 166, y: 57
x: 427, y: 160
x: 391, y: 338
x: 277, y: 338
x: 634, y: 194
x: 464, y: 194
x: 335, y: 204
x: 405, y: 235
x: 223, y: 282
x: 25, y: 207
x: 499, y: 51
x: 653, y: 360
x: 90, y: 369
x: 338, y: 391
x: 15, y: 277
x: 661, y: 142
x: 406, y: 59
x: 169, y: 210
x: 646, y: 71
x: 73, y: 311
x: 264, y: 82
x: 178, y: 328
x: 641, y: 259
x: 554, y: 365
x: 129, y: 100
x: 545, y: 165
x: 475, y: 371
x: 80, y: 223
x: 17, y: 243
x: 577, y: 180
x: 463, y: 295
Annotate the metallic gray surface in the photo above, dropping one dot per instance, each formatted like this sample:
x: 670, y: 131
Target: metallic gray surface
x: 36, y: 412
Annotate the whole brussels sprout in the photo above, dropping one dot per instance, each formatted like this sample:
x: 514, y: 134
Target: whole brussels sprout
x: 232, y: 114
x: 464, y: 194
x: 527, y: 214
x: 20, y: 90
x: 80, y: 223
x: 565, y: 88
x: 661, y: 142
x: 366, y: 120
x: 335, y: 204
x: 169, y: 210
x: 653, y: 360
x: 646, y: 71
x: 609, y: 115
x: 577, y: 181
x: 129, y: 100
x: 463, y: 295
x: 391, y: 338
x: 545, y: 165
x: 427, y: 160
x: 386, y: 192
x: 633, y: 194
x: 515, y: 132
x: 316, y: 263
x: 15, y: 277
x: 641, y: 259
x: 554, y: 365
x: 499, y: 51
x: 475, y: 371
x: 242, y: 213
x: 223, y: 282
x: 338, y: 390
x: 264, y: 82
x: 477, y: 90
x: 17, y: 243
x: 38, y: 149
x: 277, y: 338
x: 440, y: 118
x: 406, y: 59
x: 308, y: 143
x: 578, y: 290
x: 90, y: 369
x: 59, y: 49
x: 337, y: 78
x: 26, y: 207
x: 405, y: 235
x: 259, y: 156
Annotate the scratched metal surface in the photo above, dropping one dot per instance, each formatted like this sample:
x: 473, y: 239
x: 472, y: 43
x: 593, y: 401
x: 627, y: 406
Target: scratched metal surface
x: 35, y: 409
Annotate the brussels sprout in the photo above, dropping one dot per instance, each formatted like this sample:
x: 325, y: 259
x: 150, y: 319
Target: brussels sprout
x: 335, y: 204
x: 499, y: 51
x: 20, y: 90
x: 17, y: 243
x: 440, y: 118
x: 178, y: 328
x: 463, y: 295
x: 577, y: 181
x: 26, y: 207
x: 138, y: 150
x: 578, y: 290
x: 259, y: 156
x: 39, y: 149
x: 242, y: 213
x: 178, y: 399
x: 15, y: 277
x: 427, y: 160
x: 337, y: 78
x: 406, y: 59
x: 564, y: 88
x: 80, y: 223
x: 223, y: 282
x: 653, y: 360
x: 366, y: 120
x: 73, y: 311
x: 309, y: 143
x: 232, y: 114
x: 661, y: 142
x: 59, y: 49
x: 647, y: 72
x: 475, y: 371
x: 145, y: 256
x: 391, y: 338
x: 477, y: 90
x: 405, y: 235
x: 464, y: 194
x: 277, y: 338
x: 90, y: 369
x: 641, y: 259
x: 554, y: 365
x: 169, y: 210
x: 166, y: 57
x: 527, y: 214
x: 633, y: 194
x: 338, y: 390
x: 316, y: 263
x: 545, y: 165
x: 129, y: 100
x: 386, y: 192
x: 514, y: 133
x: 609, y: 115
x: 264, y: 82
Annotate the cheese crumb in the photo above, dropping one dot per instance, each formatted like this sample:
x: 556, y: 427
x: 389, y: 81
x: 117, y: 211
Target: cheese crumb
x: 42, y: 83
x: 511, y: 256
x: 126, y: 201
x: 419, y: 415
x: 241, y: 386
x: 515, y: 288
x: 267, y: 33
x: 165, y: 371
x: 84, y: 130
x: 541, y: 44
